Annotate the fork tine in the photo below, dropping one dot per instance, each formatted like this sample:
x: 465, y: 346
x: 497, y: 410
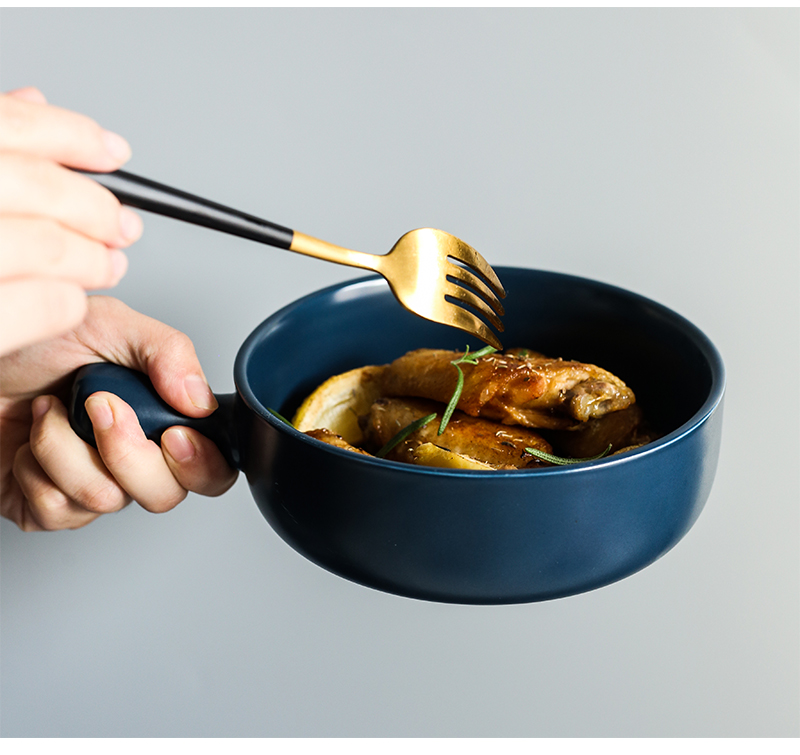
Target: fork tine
x: 465, y: 254
x: 468, y: 278
x: 466, y: 321
x: 471, y: 300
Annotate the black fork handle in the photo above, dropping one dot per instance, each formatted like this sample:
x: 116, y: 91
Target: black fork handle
x: 164, y: 200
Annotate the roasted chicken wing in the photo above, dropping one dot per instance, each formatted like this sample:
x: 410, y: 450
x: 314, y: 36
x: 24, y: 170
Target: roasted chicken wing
x: 515, y: 388
x: 502, y: 447
x: 615, y: 429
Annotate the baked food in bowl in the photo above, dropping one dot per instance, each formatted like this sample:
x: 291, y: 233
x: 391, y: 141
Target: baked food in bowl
x: 484, y: 536
x: 464, y: 535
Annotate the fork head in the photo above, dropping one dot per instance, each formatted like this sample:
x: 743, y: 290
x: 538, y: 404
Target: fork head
x: 439, y: 277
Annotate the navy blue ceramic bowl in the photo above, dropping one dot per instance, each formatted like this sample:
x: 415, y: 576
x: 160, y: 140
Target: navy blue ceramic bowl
x: 475, y: 536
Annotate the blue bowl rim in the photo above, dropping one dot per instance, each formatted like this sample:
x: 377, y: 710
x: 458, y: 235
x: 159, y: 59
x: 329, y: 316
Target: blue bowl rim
x: 708, y: 407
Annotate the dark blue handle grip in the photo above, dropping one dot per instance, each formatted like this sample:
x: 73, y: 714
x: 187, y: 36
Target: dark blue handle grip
x: 154, y: 414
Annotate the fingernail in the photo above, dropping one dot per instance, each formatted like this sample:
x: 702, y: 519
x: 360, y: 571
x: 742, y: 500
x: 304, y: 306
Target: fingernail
x: 119, y: 265
x: 116, y: 146
x: 177, y: 444
x: 40, y: 406
x: 130, y: 224
x: 99, y: 411
x: 199, y: 393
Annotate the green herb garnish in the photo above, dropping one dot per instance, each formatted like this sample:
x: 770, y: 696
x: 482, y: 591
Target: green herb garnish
x: 279, y: 416
x: 561, y: 460
x: 466, y: 358
x: 404, y: 433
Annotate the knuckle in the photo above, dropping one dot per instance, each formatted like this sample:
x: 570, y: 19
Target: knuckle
x: 43, y: 505
x: 27, y: 522
x: 14, y: 502
x: 49, y: 505
x: 101, y: 497
x: 20, y: 466
x: 120, y: 454
x: 176, y: 341
x: 43, y: 440
x: 171, y: 345
x: 208, y: 473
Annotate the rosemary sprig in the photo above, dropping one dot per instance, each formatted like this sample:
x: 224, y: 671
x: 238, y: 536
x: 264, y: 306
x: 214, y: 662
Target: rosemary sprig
x: 451, y: 407
x: 404, y: 433
x: 279, y: 416
x: 465, y: 358
x: 561, y: 460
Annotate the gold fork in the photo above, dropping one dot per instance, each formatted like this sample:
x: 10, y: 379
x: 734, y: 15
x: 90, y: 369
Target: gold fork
x: 432, y: 273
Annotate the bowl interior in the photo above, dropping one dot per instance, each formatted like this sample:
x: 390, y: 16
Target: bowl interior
x: 672, y: 367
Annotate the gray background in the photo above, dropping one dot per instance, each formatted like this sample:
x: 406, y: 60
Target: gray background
x: 656, y: 150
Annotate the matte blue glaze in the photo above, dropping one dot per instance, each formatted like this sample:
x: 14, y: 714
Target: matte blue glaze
x: 483, y: 537
x: 467, y: 536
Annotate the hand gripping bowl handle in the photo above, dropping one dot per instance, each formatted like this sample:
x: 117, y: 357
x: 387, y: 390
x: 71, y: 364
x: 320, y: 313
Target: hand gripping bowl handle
x: 154, y: 414
x: 463, y: 536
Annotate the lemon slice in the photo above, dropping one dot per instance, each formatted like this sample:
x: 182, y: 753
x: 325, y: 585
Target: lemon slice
x: 431, y: 455
x: 337, y: 404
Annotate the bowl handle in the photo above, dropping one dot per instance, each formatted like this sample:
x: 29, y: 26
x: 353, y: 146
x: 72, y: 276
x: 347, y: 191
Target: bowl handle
x: 154, y: 414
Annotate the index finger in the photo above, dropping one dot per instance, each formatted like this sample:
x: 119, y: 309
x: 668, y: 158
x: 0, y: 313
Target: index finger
x: 60, y: 135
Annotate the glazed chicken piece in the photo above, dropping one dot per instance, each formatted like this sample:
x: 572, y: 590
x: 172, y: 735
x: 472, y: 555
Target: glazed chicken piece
x: 513, y: 388
x: 616, y: 429
x: 326, y: 436
x: 500, y: 446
